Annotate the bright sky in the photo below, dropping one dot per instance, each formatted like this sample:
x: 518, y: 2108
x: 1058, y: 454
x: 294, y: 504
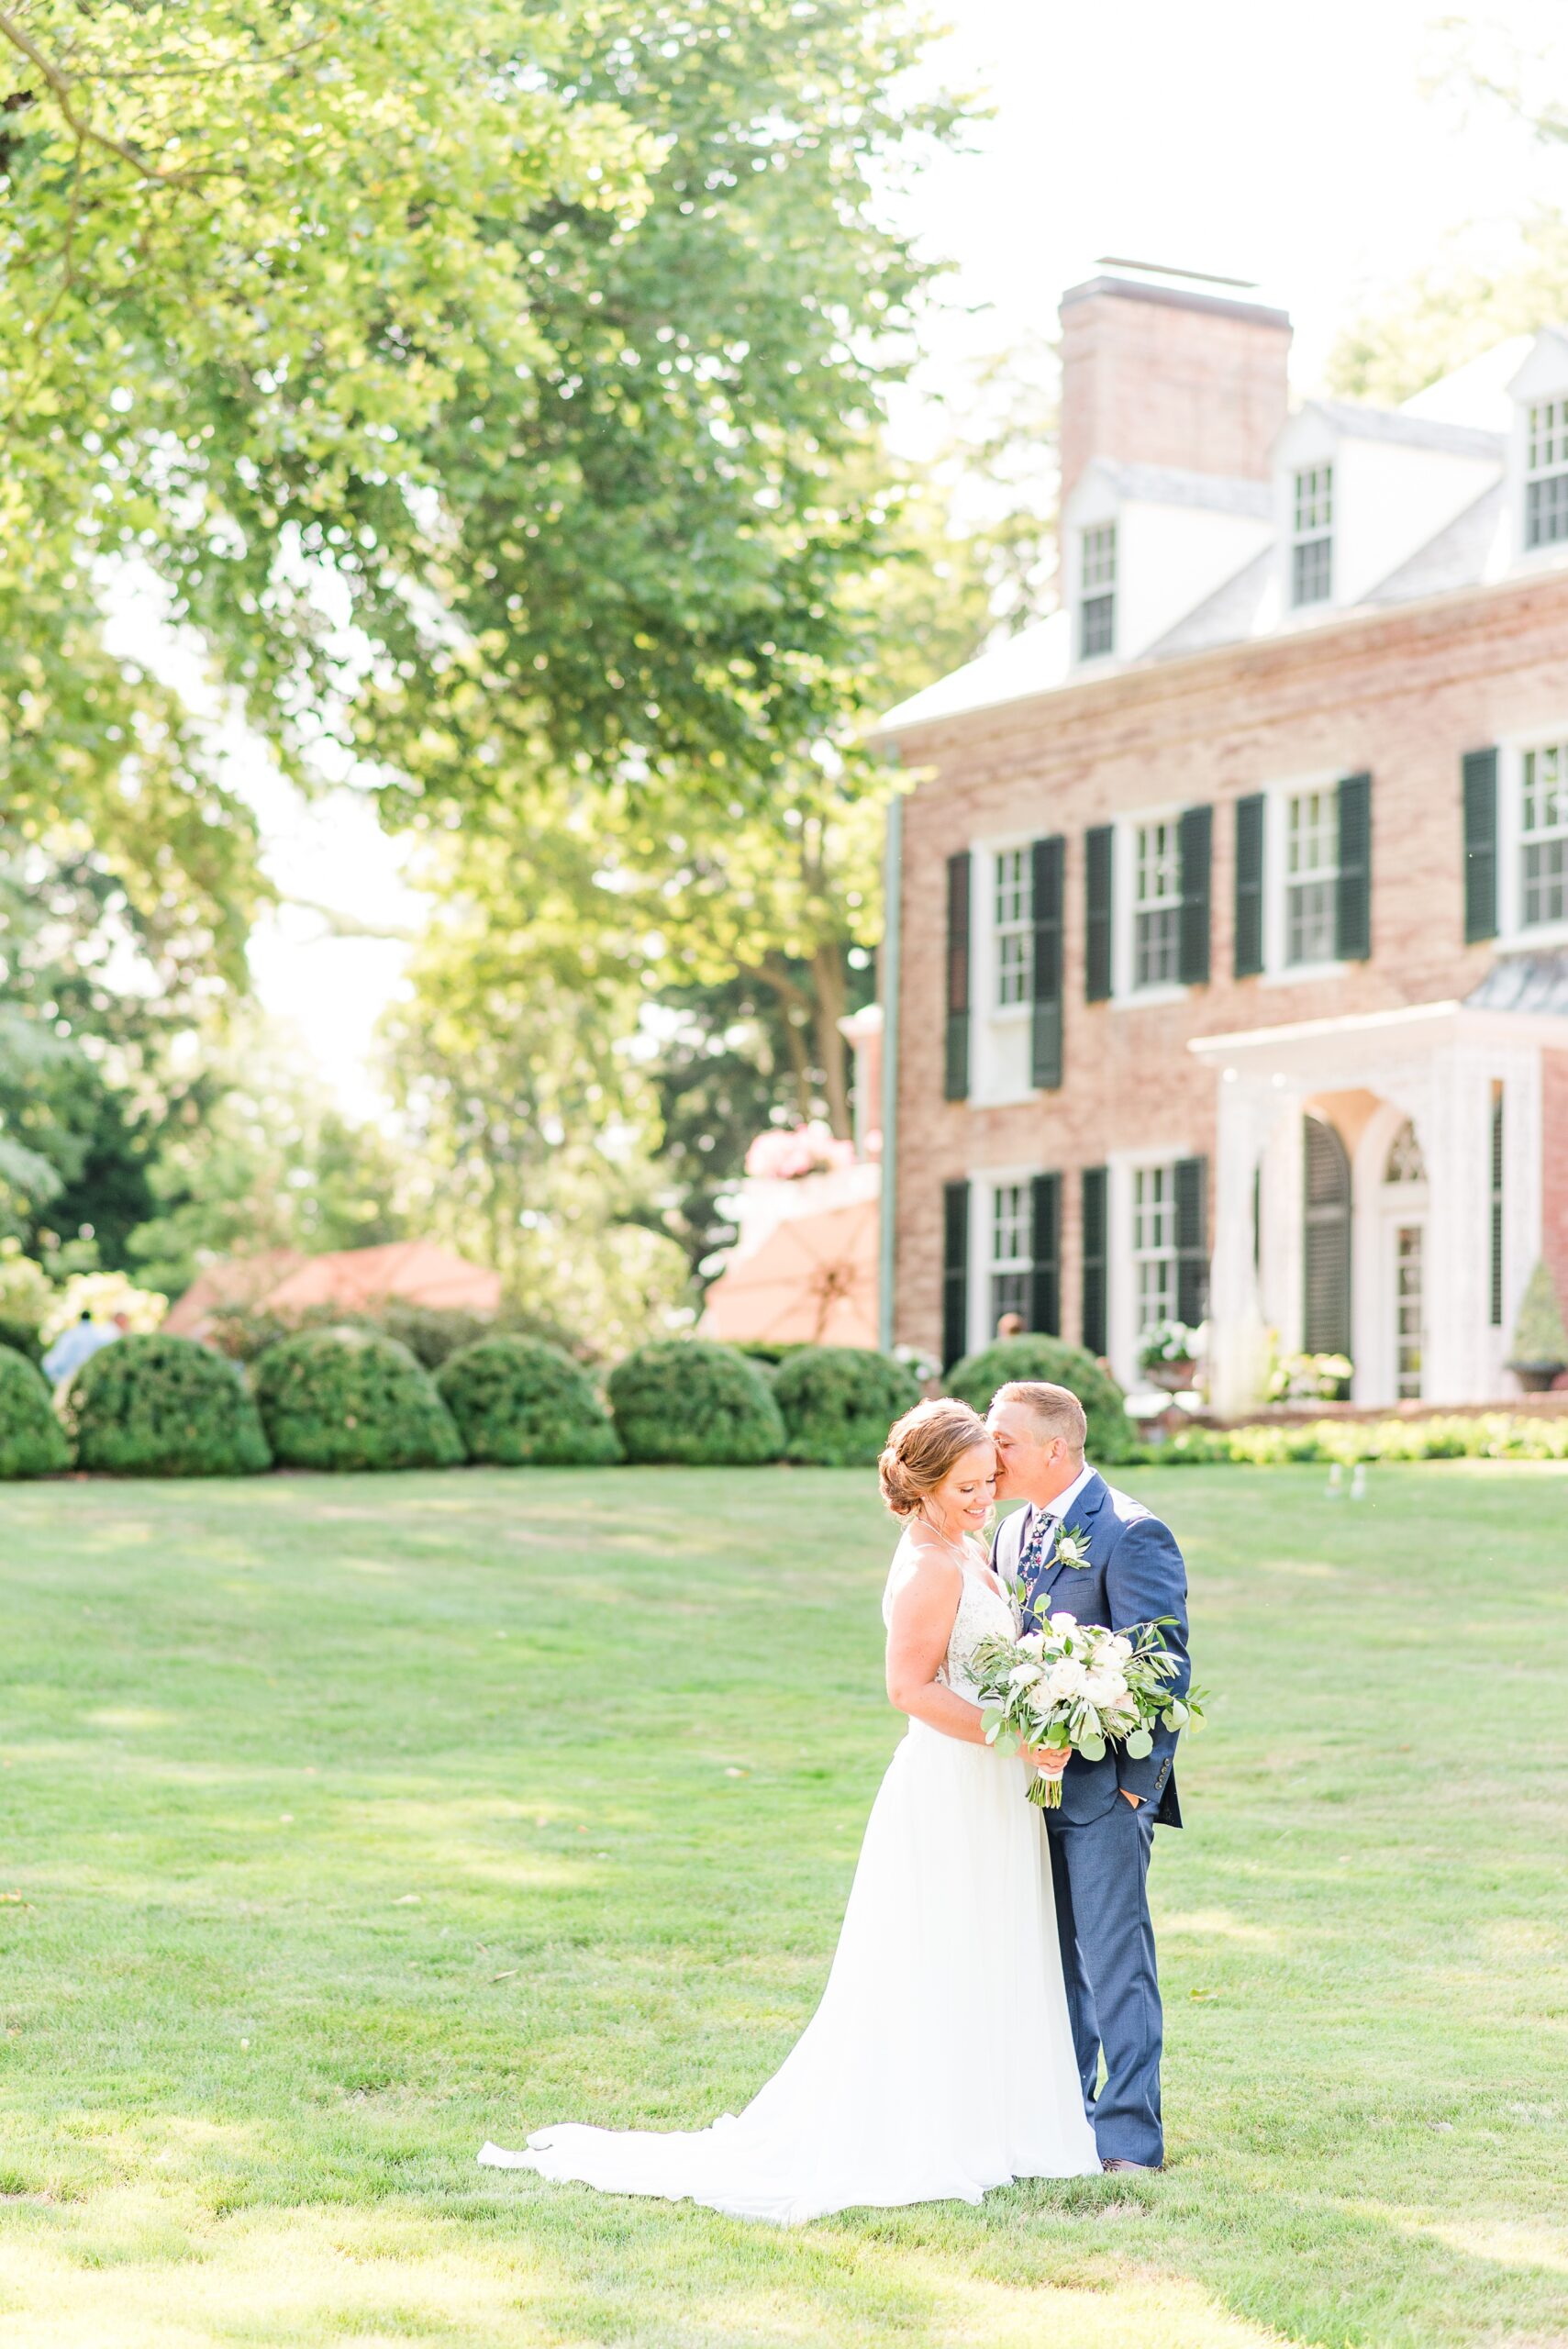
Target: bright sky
x: 1310, y: 153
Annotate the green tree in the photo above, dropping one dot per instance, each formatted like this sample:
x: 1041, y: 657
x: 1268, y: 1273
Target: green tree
x: 254, y: 1157
x: 1464, y: 301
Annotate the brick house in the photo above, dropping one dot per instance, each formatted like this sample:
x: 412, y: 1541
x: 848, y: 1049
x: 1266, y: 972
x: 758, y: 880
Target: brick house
x: 1226, y: 964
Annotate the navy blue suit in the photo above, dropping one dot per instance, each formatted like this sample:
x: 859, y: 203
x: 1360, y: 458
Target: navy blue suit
x: 1099, y: 1844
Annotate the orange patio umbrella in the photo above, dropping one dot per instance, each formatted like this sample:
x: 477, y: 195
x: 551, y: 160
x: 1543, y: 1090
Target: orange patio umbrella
x: 812, y: 1281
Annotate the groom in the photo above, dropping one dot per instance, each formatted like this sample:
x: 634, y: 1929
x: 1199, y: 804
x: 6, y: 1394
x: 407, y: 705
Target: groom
x: 1100, y: 1837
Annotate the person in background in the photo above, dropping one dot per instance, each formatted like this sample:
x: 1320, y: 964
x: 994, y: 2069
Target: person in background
x: 79, y: 1343
x: 1011, y: 1325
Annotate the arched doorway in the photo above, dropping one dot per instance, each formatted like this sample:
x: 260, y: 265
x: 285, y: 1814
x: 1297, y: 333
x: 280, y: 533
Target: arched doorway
x: 1325, y: 1239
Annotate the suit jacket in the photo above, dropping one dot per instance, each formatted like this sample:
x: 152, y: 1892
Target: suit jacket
x: 1135, y: 1574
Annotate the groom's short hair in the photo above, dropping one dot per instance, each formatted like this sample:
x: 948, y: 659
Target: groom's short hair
x: 1057, y: 1409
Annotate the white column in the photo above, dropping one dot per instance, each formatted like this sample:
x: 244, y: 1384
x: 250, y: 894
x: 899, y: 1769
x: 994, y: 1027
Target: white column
x: 1237, y: 1338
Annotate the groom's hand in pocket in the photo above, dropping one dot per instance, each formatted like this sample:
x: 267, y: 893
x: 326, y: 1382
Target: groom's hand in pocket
x: 1133, y: 1799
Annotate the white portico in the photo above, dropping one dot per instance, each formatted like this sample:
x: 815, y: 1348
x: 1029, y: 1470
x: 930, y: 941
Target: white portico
x: 1378, y: 1192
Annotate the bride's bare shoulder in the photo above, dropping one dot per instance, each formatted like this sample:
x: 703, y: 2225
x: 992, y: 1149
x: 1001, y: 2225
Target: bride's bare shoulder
x: 922, y: 1570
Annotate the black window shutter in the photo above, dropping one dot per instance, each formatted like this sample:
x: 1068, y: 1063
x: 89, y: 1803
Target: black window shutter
x: 1192, y: 1240
x: 1097, y: 913
x: 955, y: 1272
x: 1094, y: 1324
x: 1352, y: 911
x: 955, y: 1082
x: 1045, y: 1252
x: 1480, y: 771
x: 1194, y: 839
x: 1248, y: 953
x: 1047, y: 859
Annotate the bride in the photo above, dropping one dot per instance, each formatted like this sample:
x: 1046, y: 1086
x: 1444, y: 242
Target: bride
x: 939, y: 2062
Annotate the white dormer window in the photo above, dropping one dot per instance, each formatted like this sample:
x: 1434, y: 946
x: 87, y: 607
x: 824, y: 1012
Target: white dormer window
x: 1097, y: 591
x: 1312, y: 536
x: 1014, y: 923
x: 1546, y: 475
x: 1545, y: 836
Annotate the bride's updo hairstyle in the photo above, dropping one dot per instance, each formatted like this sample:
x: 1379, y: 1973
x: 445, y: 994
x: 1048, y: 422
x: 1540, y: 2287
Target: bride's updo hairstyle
x: 921, y: 1448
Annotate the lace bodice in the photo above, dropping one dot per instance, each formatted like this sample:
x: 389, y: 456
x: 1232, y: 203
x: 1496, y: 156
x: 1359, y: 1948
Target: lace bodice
x: 983, y: 1614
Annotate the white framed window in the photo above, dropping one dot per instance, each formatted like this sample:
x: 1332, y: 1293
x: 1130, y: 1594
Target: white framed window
x: 1153, y: 1246
x: 1312, y: 535
x: 1013, y: 926
x: 1156, y: 904
x: 1409, y: 1310
x: 1546, y: 474
x: 1543, y: 836
x: 1097, y: 591
x: 1008, y: 1264
x: 1311, y: 875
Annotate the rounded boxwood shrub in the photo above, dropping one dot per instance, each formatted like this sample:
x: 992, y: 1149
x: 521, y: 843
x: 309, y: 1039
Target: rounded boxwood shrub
x: 32, y: 1442
x: 975, y: 1379
x: 345, y: 1397
x: 519, y: 1402
x: 164, y: 1406
x: 685, y: 1399
x: 840, y: 1401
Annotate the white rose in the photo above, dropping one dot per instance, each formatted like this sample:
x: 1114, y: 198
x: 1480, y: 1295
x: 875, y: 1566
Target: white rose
x: 1033, y: 1642
x: 1064, y: 1621
x: 1099, y: 1688
x: 1117, y: 1647
x: 1023, y: 1676
x: 1067, y: 1679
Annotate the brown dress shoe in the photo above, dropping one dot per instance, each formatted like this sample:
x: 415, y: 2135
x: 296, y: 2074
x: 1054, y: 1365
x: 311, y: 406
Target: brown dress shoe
x: 1141, y: 2170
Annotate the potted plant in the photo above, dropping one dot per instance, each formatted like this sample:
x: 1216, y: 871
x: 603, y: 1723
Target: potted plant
x: 1540, y: 1351
x: 1168, y: 1356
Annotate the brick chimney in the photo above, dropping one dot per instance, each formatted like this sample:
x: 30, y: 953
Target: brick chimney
x: 1155, y: 375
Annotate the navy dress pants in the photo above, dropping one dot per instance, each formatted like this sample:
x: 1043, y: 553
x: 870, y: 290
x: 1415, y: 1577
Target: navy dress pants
x: 1100, y: 1871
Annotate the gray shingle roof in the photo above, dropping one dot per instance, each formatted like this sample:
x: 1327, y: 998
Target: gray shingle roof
x: 1171, y: 486
x: 1413, y: 431
x: 1228, y: 616
x: 1455, y: 558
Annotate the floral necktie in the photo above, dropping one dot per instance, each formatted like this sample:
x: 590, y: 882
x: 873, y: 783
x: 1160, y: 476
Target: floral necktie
x: 1037, y: 1536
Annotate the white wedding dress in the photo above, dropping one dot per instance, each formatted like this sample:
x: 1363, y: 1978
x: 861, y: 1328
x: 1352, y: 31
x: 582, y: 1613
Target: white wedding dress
x: 940, y: 2060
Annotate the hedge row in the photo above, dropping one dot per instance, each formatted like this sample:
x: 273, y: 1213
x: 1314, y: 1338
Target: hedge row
x: 351, y: 1397
x: 1489, y: 1435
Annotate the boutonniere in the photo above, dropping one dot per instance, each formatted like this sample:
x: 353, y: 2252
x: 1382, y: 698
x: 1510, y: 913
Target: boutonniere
x: 1072, y: 1549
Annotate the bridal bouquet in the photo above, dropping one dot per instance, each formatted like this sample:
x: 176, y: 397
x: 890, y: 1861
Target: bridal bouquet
x: 1079, y: 1685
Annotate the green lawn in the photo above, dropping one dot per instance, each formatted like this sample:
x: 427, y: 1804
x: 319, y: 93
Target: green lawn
x: 338, y: 1836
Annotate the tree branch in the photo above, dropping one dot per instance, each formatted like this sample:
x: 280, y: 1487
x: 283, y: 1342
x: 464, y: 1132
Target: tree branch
x: 61, y: 85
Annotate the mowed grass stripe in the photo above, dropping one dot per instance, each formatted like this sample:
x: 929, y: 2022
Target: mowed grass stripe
x: 349, y: 1821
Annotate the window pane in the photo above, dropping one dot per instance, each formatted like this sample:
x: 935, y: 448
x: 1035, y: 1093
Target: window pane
x: 1009, y: 1223
x: 1546, y: 510
x: 1155, y: 1244
x: 1014, y: 902
x: 1314, y: 500
x: 1309, y: 922
x: 1097, y: 626
x: 1100, y: 558
x: 1408, y: 1309
x: 1544, y: 860
x: 1156, y: 947
x: 1311, y: 571
x: 1546, y: 881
